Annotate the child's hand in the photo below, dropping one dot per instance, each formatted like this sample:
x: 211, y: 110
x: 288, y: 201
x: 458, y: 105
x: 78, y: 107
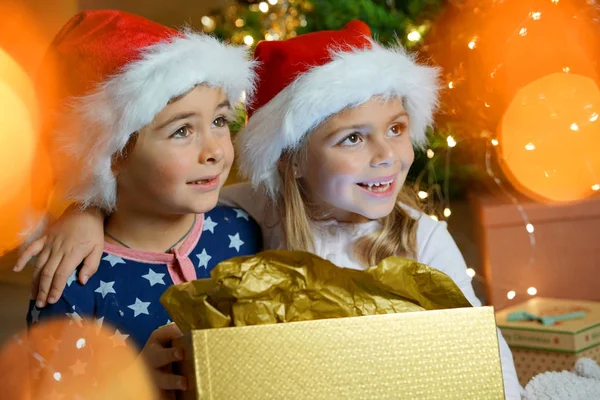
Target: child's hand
x: 160, y: 356
x: 75, y: 237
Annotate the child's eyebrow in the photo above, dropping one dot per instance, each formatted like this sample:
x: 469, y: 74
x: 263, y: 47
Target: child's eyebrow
x: 223, y: 104
x: 400, y: 114
x: 188, y: 114
x: 176, y: 117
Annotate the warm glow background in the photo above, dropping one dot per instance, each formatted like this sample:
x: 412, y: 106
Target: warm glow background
x: 550, y: 138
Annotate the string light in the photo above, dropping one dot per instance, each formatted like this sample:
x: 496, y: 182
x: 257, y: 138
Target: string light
x: 511, y: 295
x: 434, y: 217
x: 471, y: 272
x: 264, y: 7
x: 473, y: 43
x: 535, y: 15
x: 530, y: 228
x: 494, y: 142
x: 413, y: 36
x: 80, y: 343
x: 529, y: 147
x: 272, y: 2
x: 57, y: 376
x: 566, y: 70
x: 523, y: 32
x: 430, y: 153
x: 596, y: 187
x: 248, y: 40
x: 515, y: 201
x: 574, y: 127
x: 486, y: 105
x: 269, y: 37
x: 594, y: 117
x: 451, y: 141
x: 208, y: 23
x: 451, y: 85
x: 239, y: 22
x: 423, y: 195
x: 532, y: 291
x: 447, y: 212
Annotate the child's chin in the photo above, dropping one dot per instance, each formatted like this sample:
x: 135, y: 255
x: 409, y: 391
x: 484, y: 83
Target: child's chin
x: 201, y: 207
x: 378, y: 212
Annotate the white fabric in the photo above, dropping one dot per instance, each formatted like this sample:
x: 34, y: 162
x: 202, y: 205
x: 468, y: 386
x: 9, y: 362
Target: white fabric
x: 333, y: 241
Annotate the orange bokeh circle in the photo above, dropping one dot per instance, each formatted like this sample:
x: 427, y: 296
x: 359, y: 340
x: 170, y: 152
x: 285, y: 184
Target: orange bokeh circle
x: 549, y: 138
x: 73, y: 358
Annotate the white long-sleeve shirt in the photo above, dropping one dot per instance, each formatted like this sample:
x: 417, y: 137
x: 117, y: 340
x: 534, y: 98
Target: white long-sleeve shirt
x: 334, y: 240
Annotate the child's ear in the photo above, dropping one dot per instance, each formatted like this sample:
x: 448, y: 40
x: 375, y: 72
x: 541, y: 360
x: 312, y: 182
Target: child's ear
x: 281, y: 165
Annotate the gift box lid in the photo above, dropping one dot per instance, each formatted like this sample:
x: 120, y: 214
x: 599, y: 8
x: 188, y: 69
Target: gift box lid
x: 499, y: 211
x: 569, y: 336
x: 444, y: 354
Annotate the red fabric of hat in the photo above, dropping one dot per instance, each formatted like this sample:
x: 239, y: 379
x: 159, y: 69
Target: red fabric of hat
x: 281, y: 62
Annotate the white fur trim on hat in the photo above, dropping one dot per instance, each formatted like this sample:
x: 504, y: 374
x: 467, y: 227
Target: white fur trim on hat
x: 100, y: 124
x: 351, y: 78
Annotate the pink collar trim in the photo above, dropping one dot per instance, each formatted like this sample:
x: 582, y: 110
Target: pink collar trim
x: 159, y: 258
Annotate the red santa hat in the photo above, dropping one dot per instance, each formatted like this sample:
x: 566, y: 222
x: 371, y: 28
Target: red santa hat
x: 304, y: 80
x: 117, y: 71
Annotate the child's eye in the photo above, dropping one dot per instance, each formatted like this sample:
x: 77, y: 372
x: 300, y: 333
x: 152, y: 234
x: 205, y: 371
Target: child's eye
x: 182, y: 132
x: 397, y: 129
x: 220, y: 122
x: 351, y: 140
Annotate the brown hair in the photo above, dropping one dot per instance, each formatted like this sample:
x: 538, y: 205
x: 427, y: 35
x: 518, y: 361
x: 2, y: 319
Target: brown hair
x: 396, y: 237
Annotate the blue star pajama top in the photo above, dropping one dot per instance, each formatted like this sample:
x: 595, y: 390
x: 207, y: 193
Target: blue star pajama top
x: 124, y: 294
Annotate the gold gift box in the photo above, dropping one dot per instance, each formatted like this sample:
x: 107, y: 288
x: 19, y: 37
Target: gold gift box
x: 440, y: 354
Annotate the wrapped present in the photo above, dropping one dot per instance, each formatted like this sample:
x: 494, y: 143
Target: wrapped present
x: 351, y: 334
x: 565, y: 254
x: 550, y: 334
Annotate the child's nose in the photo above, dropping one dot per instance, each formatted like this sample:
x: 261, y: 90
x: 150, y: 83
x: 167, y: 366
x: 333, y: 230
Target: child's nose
x: 211, y: 151
x: 383, y: 155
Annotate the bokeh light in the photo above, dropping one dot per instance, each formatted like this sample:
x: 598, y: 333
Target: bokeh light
x: 540, y: 150
x: 69, y: 360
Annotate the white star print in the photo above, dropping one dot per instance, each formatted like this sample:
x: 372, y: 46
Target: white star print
x: 235, y: 241
x: 78, y: 368
x: 139, y: 307
x: 105, y: 288
x: 72, y: 278
x: 209, y: 225
x: 154, y: 278
x: 52, y: 343
x: 113, y: 260
x: 35, y: 315
x: 241, y: 214
x: 99, y: 322
x: 118, y: 339
x: 74, y: 317
x: 203, y: 258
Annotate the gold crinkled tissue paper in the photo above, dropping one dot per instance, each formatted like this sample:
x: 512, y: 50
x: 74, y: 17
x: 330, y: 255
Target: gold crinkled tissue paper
x: 291, y: 325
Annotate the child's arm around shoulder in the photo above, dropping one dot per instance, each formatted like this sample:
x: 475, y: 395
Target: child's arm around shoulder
x: 76, y: 237
x: 76, y: 302
x: 244, y: 196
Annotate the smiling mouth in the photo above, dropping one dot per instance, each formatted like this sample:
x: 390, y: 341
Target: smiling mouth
x: 377, y: 187
x: 207, y: 182
x: 202, y: 181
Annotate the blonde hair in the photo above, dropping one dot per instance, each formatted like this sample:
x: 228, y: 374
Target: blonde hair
x: 397, y: 236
